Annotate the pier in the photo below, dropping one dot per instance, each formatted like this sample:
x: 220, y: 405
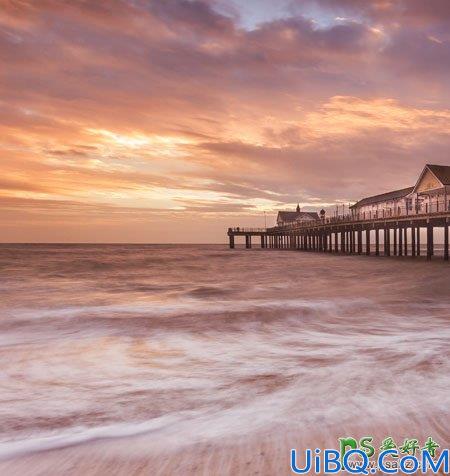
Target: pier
x: 389, y: 224
x: 396, y: 236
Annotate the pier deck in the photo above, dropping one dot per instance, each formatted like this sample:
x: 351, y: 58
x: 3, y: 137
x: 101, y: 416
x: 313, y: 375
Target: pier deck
x: 355, y: 234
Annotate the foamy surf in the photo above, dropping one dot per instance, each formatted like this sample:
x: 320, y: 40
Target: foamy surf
x: 189, y: 348
x: 182, y: 307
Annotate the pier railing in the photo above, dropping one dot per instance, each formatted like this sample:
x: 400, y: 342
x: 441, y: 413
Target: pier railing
x: 247, y: 230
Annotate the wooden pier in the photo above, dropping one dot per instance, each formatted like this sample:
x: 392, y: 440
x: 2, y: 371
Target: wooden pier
x: 398, y: 235
x: 387, y: 224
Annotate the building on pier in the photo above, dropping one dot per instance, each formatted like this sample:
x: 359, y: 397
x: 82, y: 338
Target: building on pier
x: 289, y: 218
x: 432, y: 190
x: 385, y: 204
x: 430, y: 194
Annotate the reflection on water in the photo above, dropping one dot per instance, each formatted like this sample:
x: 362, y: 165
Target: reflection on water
x: 205, y: 343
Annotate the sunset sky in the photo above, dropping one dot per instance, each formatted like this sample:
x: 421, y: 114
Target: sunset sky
x: 170, y: 120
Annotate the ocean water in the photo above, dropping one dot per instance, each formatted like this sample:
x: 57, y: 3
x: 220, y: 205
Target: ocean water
x: 200, y: 345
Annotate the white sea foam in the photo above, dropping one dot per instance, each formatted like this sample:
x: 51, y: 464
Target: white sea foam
x: 182, y: 306
x: 178, y: 350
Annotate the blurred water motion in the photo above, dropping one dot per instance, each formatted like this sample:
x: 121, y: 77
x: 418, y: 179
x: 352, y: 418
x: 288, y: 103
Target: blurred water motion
x: 200, y: 345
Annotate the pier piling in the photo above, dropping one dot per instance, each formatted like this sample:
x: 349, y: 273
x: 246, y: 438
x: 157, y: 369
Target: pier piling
x: 446, y: 240
x: 377, y: 242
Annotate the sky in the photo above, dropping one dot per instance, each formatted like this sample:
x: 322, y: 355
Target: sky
x: 167, y: 121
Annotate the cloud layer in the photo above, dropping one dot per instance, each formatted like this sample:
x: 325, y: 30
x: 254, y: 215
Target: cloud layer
x: 168, y: 120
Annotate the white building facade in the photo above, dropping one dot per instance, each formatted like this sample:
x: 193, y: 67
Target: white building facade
x: 431, y: 194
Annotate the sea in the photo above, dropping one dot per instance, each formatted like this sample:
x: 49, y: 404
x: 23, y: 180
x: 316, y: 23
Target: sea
x: 198, y: 359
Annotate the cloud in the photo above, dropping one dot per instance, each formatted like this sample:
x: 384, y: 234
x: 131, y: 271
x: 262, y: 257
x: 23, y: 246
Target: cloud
x: 416, y: 11
x: 158, y: 108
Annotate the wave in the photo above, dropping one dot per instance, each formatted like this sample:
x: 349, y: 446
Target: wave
x: 76, y: 436
x: 188, y: 306
x: 245, y: 341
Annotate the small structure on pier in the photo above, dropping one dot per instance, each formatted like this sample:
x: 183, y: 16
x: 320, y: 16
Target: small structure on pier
x: 289, y: 218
